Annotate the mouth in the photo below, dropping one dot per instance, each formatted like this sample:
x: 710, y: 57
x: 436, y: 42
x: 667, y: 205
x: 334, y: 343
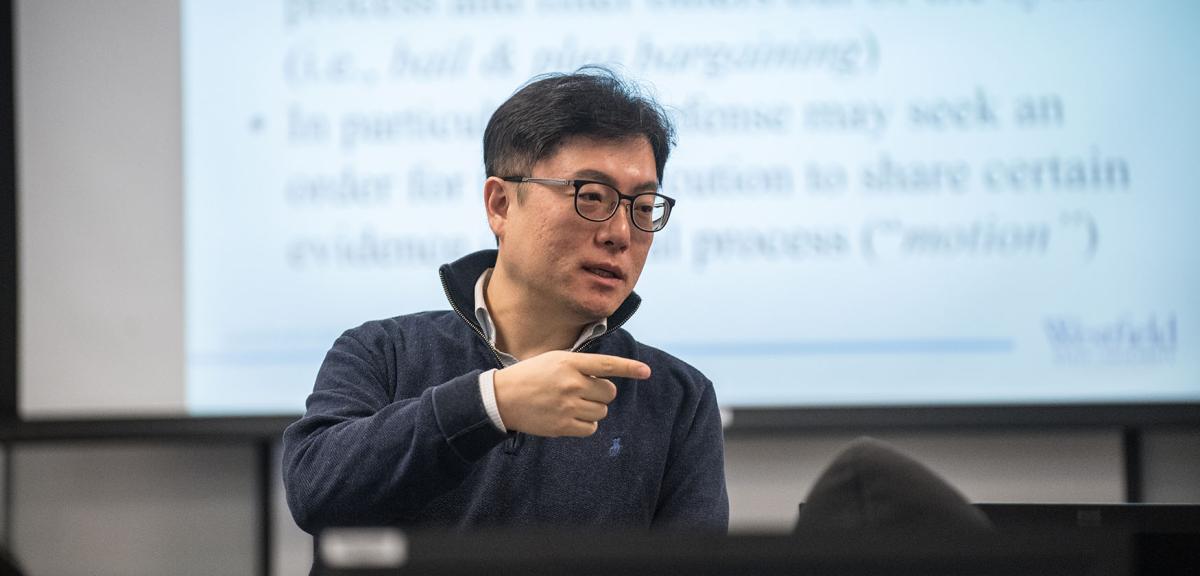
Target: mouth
x: 605, y: 271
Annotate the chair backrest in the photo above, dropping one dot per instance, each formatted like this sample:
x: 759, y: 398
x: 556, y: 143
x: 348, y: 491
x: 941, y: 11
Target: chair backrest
x: 873, y: 486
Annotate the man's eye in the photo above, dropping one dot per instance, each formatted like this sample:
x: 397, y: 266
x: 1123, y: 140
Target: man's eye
x: 591, y: 197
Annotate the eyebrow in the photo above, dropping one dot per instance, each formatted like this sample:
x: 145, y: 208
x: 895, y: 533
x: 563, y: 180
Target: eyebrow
x: 590, y: 174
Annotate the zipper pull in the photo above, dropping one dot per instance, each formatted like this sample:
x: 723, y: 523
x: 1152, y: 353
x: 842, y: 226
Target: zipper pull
x: 513, y: 443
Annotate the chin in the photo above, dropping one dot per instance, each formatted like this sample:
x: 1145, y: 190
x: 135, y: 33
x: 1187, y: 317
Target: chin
x: 593, y: 311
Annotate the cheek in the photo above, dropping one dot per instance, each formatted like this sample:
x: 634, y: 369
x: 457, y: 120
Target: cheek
x: 640, y: 246
x: 639, y: 251
x: 564, y: 230
x: 554, y: 245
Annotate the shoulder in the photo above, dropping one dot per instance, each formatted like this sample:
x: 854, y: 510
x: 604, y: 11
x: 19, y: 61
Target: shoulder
x: 399, y: 330
x: 677, y: 369
x: 404, y: 325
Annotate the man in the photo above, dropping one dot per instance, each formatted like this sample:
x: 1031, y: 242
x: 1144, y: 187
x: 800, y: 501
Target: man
x: 526, y: 404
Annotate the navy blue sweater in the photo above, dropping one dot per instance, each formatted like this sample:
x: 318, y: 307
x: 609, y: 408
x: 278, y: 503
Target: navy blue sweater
x: 395, y: 433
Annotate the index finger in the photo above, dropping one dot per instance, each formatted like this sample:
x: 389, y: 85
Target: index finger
x: 603, y: 365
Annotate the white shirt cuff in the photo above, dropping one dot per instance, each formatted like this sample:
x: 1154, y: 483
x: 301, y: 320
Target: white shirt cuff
x: 487, y: 389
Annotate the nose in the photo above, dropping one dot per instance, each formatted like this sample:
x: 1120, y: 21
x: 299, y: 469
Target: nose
x: 615, y: 232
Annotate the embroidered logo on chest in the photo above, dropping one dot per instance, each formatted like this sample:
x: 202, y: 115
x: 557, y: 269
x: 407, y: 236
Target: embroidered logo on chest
x: 615, y: 447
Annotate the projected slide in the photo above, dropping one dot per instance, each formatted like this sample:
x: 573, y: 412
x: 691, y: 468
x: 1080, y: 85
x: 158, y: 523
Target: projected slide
x: 880, y: 201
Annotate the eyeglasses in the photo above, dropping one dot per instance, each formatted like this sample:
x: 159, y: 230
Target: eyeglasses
x: 597, y: 201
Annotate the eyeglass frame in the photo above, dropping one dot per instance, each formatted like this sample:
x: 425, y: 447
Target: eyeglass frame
x: 579, y: 183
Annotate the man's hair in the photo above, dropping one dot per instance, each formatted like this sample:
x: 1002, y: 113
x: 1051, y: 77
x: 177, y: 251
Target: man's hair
x: 593, y: 101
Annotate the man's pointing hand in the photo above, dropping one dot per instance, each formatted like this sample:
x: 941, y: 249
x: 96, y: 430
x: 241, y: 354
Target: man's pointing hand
x: 561, y: 393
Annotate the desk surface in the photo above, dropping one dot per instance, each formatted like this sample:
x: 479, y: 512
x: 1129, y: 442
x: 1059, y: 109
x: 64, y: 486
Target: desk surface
x: 361, y: 552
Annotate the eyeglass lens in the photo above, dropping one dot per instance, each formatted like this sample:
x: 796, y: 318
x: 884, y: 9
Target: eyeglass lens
x: 598, y: 202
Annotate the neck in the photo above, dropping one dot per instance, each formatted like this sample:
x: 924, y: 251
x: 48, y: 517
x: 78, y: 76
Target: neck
x: 525, y: 325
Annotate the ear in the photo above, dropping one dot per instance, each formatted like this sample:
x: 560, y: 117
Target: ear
x: 497, y: 200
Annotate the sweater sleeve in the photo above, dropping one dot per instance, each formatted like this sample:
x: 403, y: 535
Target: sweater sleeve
x: 358, y: 457
x: 693, y: 495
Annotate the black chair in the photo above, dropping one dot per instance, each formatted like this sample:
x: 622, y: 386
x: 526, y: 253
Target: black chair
x: 874, y: 487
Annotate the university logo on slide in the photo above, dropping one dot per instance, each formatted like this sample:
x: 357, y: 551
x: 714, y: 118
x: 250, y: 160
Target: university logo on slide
x: 1150, y: 339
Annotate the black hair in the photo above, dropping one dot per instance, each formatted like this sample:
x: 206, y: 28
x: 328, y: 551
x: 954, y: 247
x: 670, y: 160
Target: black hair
x: 592, y: 101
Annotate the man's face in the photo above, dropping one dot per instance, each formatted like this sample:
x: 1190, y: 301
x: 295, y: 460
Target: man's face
x: 569, y: 265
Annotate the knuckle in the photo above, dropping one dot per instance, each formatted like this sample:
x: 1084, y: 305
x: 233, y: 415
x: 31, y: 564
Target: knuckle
x: 607, y: 365
x: 552, y: 357
x: 585, y: 429
x: 562, y: 426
